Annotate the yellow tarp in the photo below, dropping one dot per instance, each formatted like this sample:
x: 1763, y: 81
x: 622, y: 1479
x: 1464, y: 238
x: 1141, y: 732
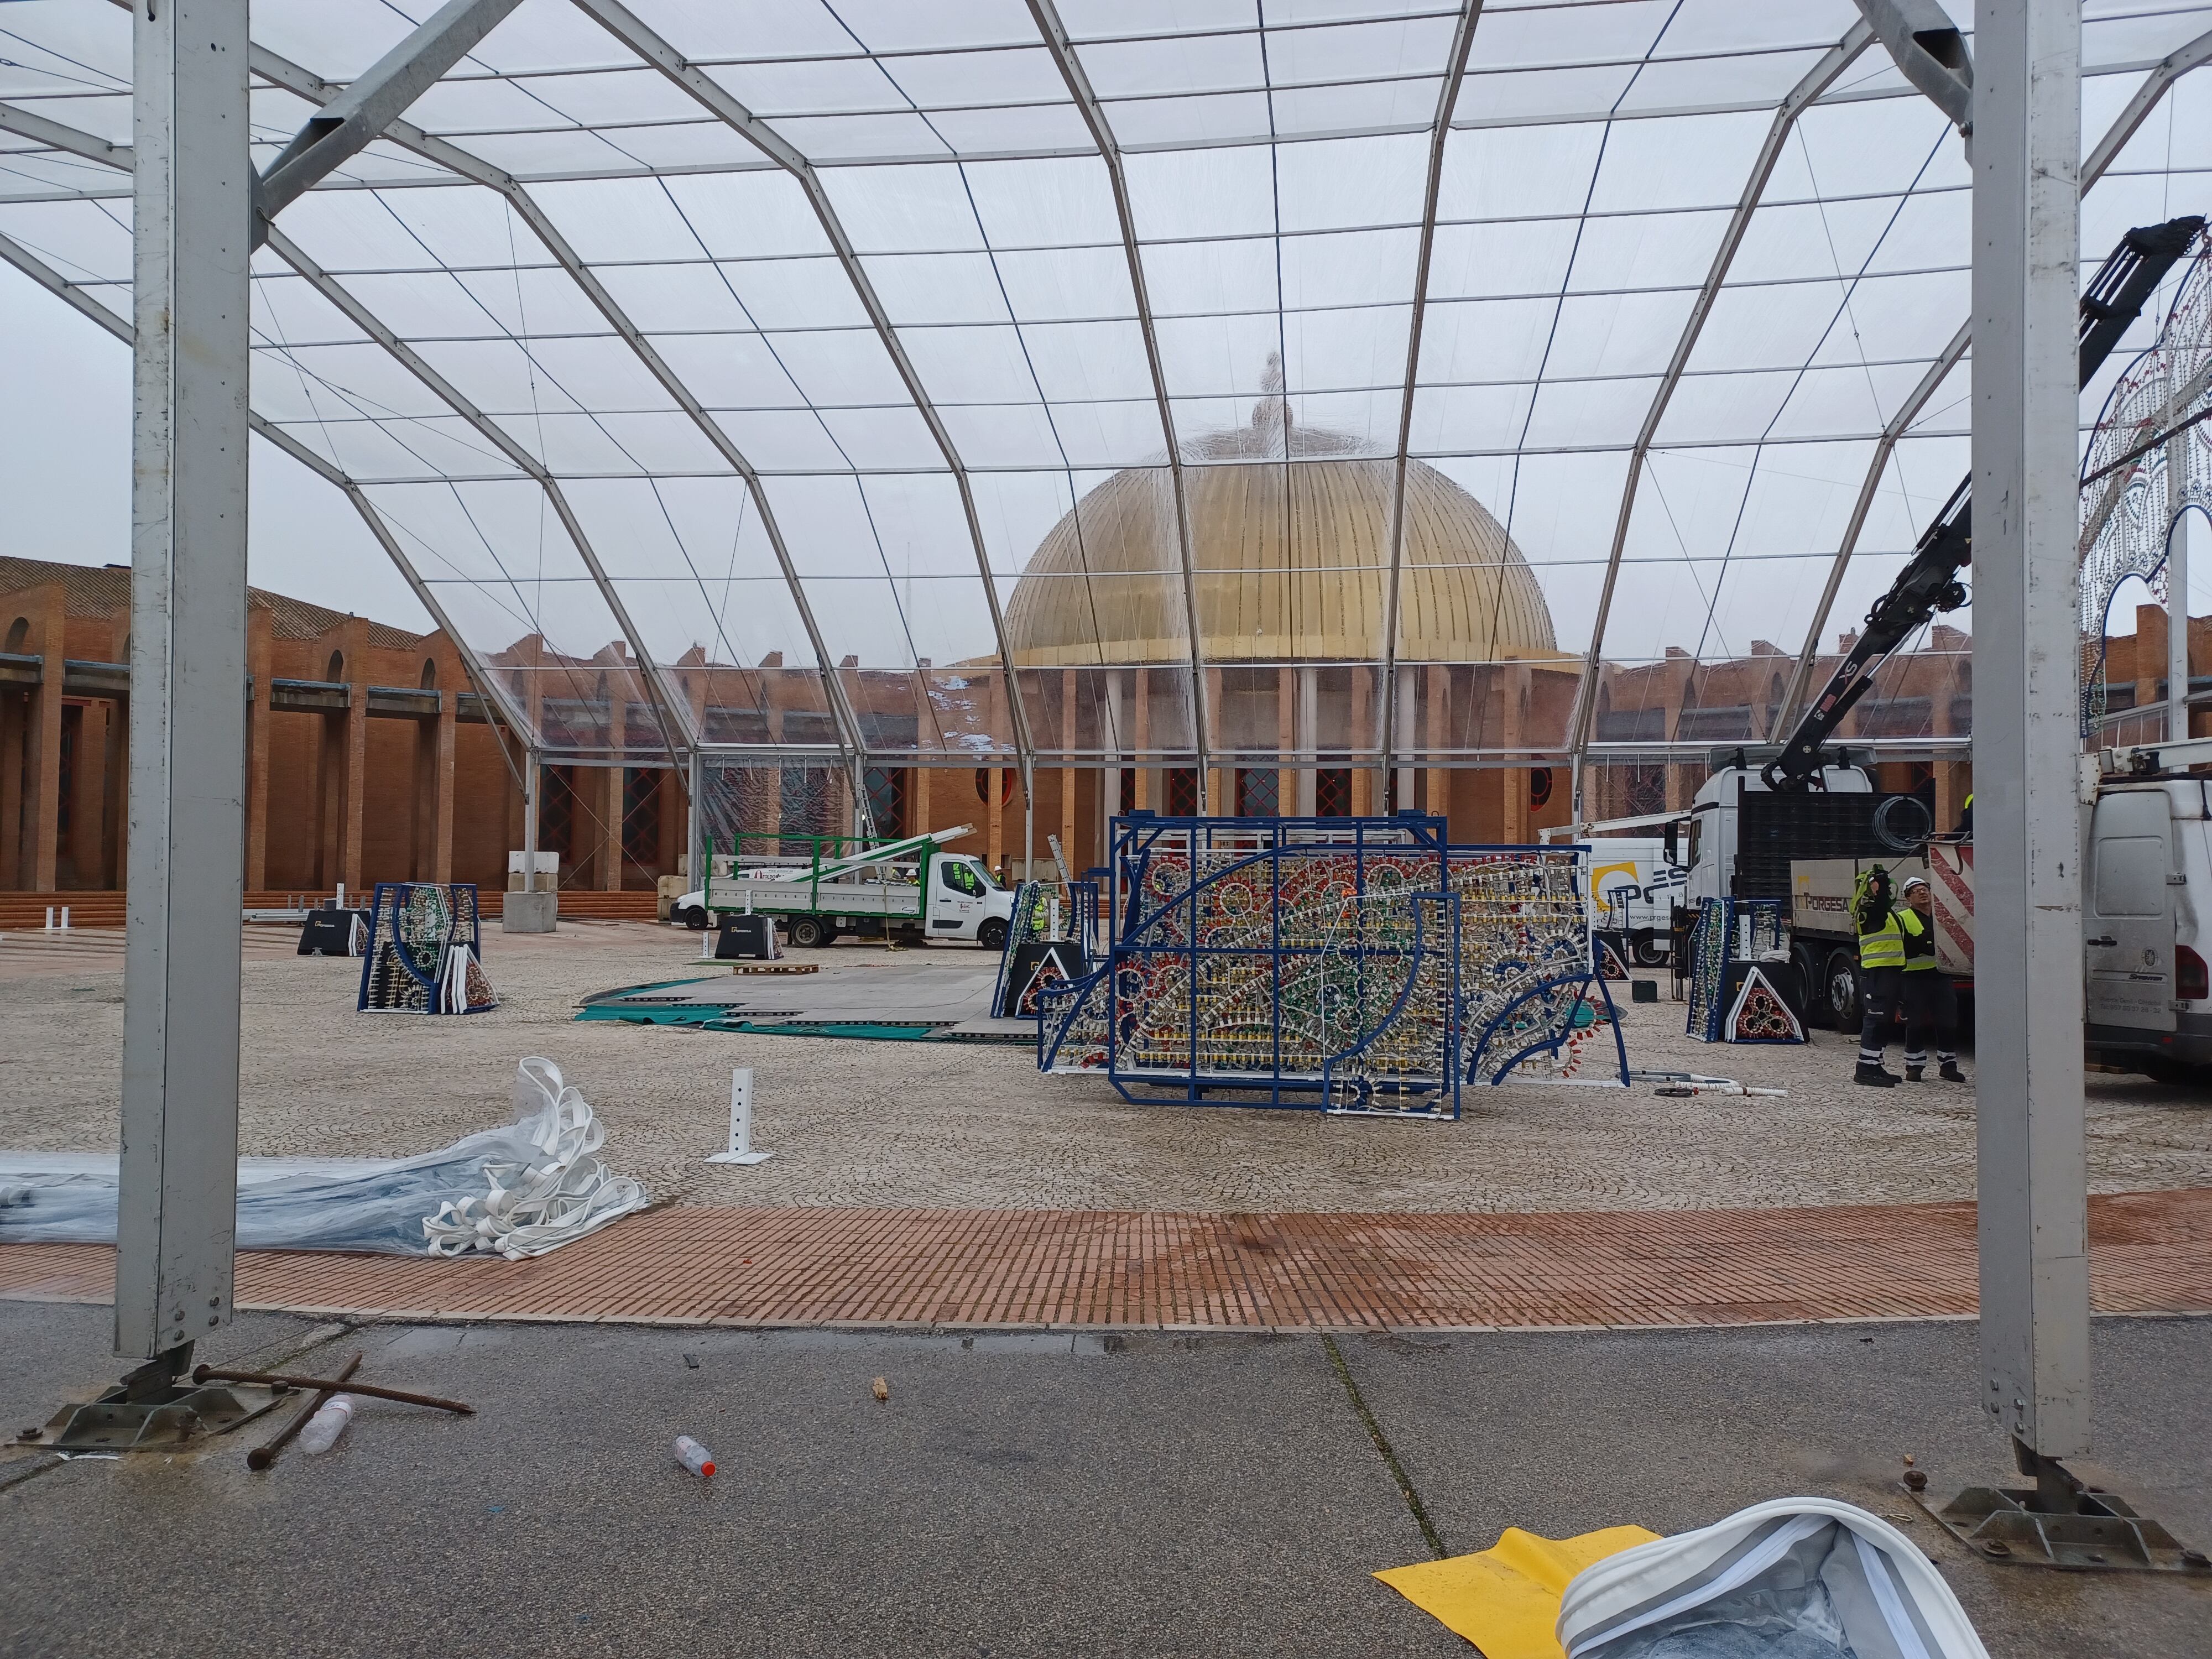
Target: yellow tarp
x: 1506, y: 1599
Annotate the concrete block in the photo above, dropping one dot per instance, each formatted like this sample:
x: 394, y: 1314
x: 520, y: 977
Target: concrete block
x: 529, y: 912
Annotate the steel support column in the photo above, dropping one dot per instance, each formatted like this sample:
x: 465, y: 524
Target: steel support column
x: 2033, y: 1178
x: 695, y: 823
x: 192, y: 209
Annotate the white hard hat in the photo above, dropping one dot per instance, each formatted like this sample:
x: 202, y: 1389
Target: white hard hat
x: 1911, y: 881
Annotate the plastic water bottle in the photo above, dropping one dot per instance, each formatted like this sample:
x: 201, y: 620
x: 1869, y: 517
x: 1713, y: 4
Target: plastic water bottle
x: 694, y: 1456
x: 325, y: 1427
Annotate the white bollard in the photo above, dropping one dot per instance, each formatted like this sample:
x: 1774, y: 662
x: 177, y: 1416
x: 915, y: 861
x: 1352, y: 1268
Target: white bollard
x: 65, y: 918
x: 741, y: 1123
x: 50, y: 918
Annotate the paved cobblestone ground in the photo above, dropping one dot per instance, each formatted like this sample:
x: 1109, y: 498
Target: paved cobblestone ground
x: 939, y: 1125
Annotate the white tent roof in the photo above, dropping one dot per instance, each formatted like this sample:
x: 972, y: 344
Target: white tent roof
x: 734, y: 329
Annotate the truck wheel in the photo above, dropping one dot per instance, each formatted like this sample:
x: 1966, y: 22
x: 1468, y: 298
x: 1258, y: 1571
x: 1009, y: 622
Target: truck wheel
x: 808, y: 933
x: 992, y: 935
x: 1649, y: 952
x: 1840, y: 987
x: 693, y: 917
x: 1808, y: 961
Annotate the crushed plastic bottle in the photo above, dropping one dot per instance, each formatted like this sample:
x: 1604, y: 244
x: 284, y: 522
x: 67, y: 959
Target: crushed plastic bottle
x: 694, y: 1456
x: 325, y: 1427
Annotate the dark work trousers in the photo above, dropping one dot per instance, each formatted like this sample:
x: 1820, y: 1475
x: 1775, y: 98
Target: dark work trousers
x: 1931, y: 1009
x: 1882, y: 991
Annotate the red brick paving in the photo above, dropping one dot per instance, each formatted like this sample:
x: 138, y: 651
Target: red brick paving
x: 2149, y: 1253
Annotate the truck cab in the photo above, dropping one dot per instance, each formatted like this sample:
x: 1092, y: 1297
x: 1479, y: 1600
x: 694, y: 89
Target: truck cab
x: 1740, y: 836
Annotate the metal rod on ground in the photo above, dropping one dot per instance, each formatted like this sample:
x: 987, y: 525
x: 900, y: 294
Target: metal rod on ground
x: 262, y: 1456
x: 211, y: 1373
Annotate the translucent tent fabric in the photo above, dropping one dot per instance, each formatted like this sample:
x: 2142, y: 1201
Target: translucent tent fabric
x: 717, y: 371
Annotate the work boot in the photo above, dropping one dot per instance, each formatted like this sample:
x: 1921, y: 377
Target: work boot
x: 1912, y: 1074
x: 1874, y: 1076
x: 1951, y: 1073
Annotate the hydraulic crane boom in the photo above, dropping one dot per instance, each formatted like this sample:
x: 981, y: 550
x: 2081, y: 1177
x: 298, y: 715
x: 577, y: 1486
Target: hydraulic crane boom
x: 1930, y: 582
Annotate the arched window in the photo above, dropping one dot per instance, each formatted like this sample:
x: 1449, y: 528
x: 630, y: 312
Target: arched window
x: 337, y: 670
x: 19, y: 634
x: 430, y: 674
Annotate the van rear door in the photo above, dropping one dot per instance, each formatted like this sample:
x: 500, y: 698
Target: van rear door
x: 2128, y: 922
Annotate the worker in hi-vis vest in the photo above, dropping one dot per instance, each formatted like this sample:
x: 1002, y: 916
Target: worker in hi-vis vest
x: 1931, y: 1003
x: 1882, y: 932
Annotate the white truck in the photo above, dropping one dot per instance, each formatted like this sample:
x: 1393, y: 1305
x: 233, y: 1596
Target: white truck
x: 1634, y: 887
x: 2147, y: 835
x: 911, y: 887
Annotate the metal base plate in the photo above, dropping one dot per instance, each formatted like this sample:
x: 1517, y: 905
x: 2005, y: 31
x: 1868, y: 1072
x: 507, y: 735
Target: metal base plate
x: 2000, y: 1523
x: 162, y: 1419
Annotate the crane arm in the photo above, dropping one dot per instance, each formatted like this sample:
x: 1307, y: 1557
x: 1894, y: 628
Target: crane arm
x: 1929, y: 583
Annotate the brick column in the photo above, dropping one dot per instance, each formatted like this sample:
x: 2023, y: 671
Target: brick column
x: 1363, y: 777
x: 442, y: 823
x: 115, y: 795
x: 1070, y: 729
x: 42, y: 758
x: 1515, y: 780
x: 611, y: 846
x: 2150, y: 662
x: 88, y: 769
x: 15, y: 712
x: 258, y: 656
x: 1144, y: 785
x: 1439, y: 778
x: 994, y: 815
x: 323, y: 775
x: 673, y: 817
x: 353, y: 754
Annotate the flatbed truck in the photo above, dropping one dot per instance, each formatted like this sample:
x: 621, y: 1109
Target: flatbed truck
x: 909, y: 889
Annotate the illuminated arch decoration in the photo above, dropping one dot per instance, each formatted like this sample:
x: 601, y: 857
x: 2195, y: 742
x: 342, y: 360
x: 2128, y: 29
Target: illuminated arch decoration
x: 2131, y: 502
x: 1357, y: 965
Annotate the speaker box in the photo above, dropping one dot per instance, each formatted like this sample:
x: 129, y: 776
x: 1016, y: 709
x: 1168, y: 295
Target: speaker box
x: 746, y: 938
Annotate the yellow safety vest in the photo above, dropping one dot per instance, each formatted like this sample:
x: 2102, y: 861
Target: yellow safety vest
x: 1883, y: 946
x: 1919, y: 942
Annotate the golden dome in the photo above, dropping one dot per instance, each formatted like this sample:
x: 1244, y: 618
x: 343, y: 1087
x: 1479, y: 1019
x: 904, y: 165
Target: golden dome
x: 1292, y: 563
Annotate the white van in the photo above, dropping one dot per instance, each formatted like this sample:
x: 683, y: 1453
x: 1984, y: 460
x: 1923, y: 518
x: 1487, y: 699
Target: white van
x: 1633, y: 891
x: 2148, y: 994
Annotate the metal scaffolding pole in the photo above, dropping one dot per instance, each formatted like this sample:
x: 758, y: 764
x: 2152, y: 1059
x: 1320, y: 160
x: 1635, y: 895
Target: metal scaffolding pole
x: 193, y: 215
x: 695, y: 828
x: 2032, y: 1167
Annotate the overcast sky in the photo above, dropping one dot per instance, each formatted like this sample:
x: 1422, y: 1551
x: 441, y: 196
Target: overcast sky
x: 65, y: 472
